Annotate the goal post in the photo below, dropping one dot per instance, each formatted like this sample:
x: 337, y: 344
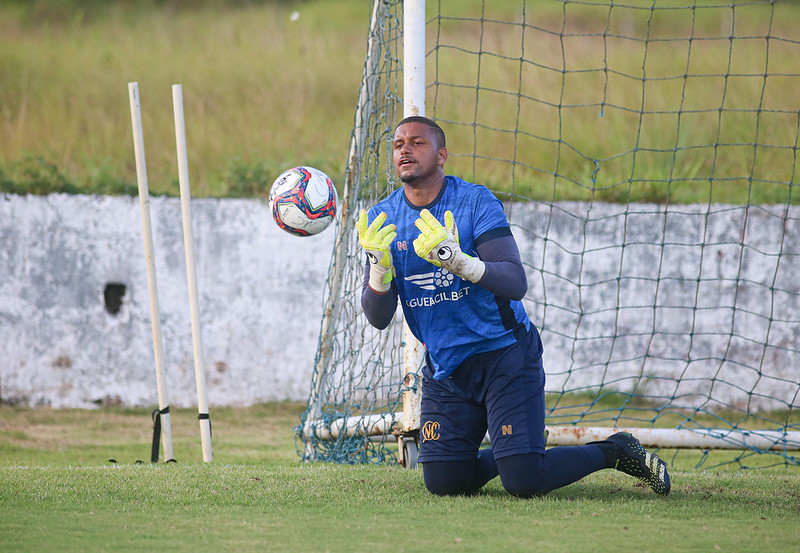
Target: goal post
x: 414, y: 45
x: 646, y: 154
x: 701, y: 438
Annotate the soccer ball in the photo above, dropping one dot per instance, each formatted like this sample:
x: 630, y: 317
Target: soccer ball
x: 303, y: 201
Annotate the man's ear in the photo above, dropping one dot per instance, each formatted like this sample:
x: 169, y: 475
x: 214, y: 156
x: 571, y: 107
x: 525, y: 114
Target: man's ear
x: 442, y: 156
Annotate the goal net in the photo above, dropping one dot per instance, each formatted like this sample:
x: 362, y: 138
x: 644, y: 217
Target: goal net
x: 646, y: 153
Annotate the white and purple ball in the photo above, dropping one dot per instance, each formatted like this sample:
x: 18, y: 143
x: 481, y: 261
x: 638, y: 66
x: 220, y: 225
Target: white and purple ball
x: 303, y: 201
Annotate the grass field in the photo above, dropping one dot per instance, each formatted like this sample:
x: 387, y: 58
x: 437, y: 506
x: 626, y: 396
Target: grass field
x: 59, y: 492
x: 264, y: 90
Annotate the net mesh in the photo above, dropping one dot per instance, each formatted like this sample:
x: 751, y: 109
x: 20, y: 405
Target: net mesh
x: 647, y: 156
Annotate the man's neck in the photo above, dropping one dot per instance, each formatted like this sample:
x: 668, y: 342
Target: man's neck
x: 422, y: 194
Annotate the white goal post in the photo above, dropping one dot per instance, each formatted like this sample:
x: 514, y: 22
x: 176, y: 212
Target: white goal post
x: 701, y: 438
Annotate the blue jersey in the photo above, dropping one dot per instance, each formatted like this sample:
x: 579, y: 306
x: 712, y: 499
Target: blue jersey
x: 454, y: 318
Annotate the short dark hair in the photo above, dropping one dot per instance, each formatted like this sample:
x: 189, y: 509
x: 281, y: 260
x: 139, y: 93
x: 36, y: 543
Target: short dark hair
x: 437, y: 130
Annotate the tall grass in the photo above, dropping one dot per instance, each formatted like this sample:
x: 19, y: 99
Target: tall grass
x: 640, y: 103
x: 261, y: 91
x: 265, y: 90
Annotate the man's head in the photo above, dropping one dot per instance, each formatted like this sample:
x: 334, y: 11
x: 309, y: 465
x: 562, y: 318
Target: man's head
x: 419, y: 151
x: 437, y: 130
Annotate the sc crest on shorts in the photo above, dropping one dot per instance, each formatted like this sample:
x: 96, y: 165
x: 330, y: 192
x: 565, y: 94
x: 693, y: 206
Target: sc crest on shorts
x: 430, y: 431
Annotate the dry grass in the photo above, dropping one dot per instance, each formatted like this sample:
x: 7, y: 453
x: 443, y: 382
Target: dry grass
x: 44, y: 436
x: 263, y: 92
x: 258, y: 88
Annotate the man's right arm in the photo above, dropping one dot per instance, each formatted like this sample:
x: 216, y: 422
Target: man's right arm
x: 378, y: 307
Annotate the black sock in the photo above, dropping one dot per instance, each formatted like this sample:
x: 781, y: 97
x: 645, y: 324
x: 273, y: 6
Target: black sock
x: 611, y: 452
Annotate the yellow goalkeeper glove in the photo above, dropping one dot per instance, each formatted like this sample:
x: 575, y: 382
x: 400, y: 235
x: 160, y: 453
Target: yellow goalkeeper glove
x: 376, y: 240
x: 438, y: 244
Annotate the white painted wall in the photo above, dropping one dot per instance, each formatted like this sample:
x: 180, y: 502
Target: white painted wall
x: 706, y: 311
x: 261, y: 294
x: 260, y: 302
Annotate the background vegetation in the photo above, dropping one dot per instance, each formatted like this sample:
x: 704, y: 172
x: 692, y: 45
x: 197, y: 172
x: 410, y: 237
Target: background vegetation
x: 263, y: 90
x: 271, y: 84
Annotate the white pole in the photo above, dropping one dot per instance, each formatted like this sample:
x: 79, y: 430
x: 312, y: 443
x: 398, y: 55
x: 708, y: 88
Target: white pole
x: 155, y: 313
x: 413, y: 57
x: 664, y: 438
x: 191, y: 273
x: 413, y: 104
x: 668, y: 438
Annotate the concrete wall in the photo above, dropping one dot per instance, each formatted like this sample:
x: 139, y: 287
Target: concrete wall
x: 697, y: 305
x: 260, y: 302
x: 261, y: 291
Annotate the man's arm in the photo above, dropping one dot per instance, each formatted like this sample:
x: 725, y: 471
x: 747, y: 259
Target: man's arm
x: 504, y: 275
x: 378, y: 295
x: 379, y: 308
x: 497, y: 251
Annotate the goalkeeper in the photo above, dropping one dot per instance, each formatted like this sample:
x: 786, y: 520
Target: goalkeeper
x: 444, y: 248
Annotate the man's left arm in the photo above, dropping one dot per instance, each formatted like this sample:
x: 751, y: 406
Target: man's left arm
x: 503, y: 275
x: 498, y: 255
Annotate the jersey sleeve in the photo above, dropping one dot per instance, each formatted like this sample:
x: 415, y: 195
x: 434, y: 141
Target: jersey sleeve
x: 504, y: 275
x: 489, y: 216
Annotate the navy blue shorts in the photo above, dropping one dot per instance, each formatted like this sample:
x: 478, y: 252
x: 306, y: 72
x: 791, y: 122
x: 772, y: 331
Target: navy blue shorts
x: 500, y: 391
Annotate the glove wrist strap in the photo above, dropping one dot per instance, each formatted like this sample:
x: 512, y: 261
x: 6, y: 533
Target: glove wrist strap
x: 380, y: 278
x: 467, y: 267
x: 471, y: 269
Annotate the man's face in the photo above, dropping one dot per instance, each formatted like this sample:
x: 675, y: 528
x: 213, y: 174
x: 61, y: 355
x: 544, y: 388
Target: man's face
x: 417, y: 156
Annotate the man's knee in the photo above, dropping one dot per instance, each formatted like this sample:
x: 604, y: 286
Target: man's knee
x: 524, y: 487
x: 449, y: 478
x: 447, y: 488
x: 522, y: 475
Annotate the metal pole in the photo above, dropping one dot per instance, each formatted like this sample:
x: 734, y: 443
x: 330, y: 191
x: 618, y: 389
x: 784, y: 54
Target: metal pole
x: 669, y: 438
x: 413, y: 57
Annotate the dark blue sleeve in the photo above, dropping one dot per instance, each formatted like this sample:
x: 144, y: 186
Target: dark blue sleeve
x: 504, y: 275
x: 379, y: 308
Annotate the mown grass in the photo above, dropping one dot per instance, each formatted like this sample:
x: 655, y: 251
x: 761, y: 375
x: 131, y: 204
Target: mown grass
x: 58, y: 492
x: 603, y: 116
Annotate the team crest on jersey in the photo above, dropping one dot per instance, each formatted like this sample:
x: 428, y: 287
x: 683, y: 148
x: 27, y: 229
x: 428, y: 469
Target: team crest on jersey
x: 440, y: 278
